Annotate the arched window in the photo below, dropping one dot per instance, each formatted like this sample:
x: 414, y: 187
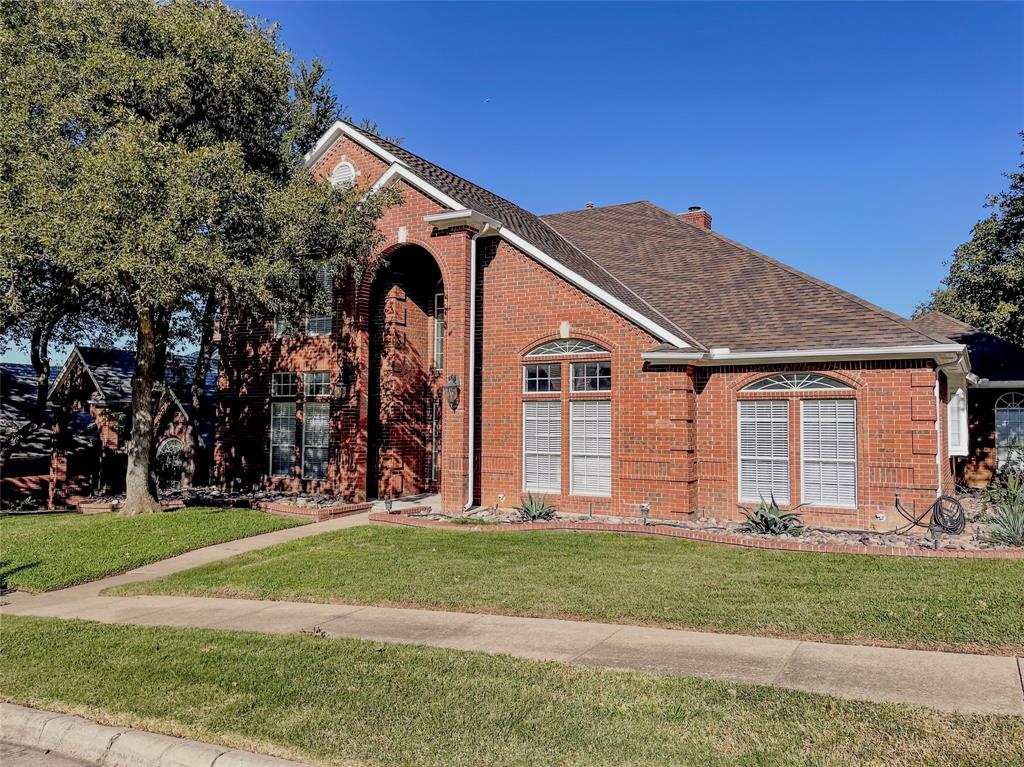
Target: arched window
x: 796, y: 382
x: 343, y: 173
x: 1010, y: 430
x: 564, y: 346
x: 169, y: 462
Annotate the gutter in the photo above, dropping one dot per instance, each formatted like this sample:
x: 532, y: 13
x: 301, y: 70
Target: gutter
x: 724, y: 356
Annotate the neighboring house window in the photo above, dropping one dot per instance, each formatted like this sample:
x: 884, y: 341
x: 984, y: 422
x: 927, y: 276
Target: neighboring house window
x: 956, y: 421
x: 542, y: 379
x: 283, y: 385
x: 764, y: 450
x: 1009, y: 430
x: 590, y: 438
x: 316, y: 383
x: 343, y: 174
x: 828, y: 451
x: 320, y: 325
x: 795, y: 382
x: 316, y: 418
x: 282, y: 439
x: 542, y: 446
x: 591, y: 376
x: 565, y: 346
x: 438, y: 329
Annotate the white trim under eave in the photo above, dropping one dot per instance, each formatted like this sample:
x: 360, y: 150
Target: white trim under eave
x: 396, y: 171
x: 465, y: 217
x: 927, y: 351
x: 328, y: 138
x: 987, y: 383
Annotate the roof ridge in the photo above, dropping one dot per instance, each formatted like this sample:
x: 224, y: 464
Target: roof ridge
x: 806, y: 277
x: 965, y: 325
x: 595, y: 207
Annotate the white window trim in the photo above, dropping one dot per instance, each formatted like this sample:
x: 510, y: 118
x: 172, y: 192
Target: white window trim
x: 294, y: 384
x: 305, y: 427
x: 542, y: 364
x: 549, y: 490
x: 307, y: 380
x: 572, y: 452
x: 270, y: 467
x: 956, y: 412
x: 856, y: 460
x: 572, y: 378
x: 437, y: 352
x: 1014, y: 401
x: 739, y: 456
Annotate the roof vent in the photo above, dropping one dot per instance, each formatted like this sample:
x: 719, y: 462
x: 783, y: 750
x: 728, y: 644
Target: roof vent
x: 697, y: 216
x: 590, y: 205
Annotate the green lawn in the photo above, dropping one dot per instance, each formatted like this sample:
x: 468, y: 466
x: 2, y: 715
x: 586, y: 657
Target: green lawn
x: 40, y: 552
x: 967, y: 605
x: 340, y: 701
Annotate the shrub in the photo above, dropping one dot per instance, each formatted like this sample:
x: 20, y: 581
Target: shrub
x: 1005, y: 497
x: 769, y: 519
x: 533, y: 508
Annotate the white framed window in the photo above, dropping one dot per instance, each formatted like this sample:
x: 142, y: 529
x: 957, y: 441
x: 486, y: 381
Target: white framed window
x: 1009, y: 430
x: 316, y: 417
x: 438, y: 330
x: 795, y: 382
x: 763, y: 450
x: 316, y: 383
x: 956, y: 421
x: 542, y: 379
x: 282, y: 439
x: 343, y: 173
x: 565, y: 346
x: 591, y: 376
x: 282, y: 328
x: 320, y: 324
x: 590, y: 440
x: 542, y: 446
x: 283, y: 385
x: 828, y: 451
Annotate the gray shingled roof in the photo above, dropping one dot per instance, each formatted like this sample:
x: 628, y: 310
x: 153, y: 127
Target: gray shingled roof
x: 696, y: 283
x: 992, y: 357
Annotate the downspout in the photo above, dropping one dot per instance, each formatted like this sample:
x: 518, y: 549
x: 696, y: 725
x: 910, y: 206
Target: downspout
x: 471, y: 375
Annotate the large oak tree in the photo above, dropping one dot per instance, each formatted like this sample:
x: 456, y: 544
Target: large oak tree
x: 157, y: 147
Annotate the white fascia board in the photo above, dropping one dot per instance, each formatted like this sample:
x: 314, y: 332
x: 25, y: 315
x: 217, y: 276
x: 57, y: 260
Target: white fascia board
x: 396, y: 172
x: 588, y: 287
x: 800, y: 355
x: 466, y: 217
x: 342, y: 128
x: 987, y: 383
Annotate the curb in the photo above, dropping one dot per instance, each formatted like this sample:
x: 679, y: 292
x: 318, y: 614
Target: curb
x: 103, y: 746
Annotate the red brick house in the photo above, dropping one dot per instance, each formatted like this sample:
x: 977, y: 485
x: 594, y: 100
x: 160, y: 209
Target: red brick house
x: 606, y: 357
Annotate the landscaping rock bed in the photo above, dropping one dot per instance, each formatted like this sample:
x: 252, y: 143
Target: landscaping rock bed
x: 298, y: 505
x: 824, y: 538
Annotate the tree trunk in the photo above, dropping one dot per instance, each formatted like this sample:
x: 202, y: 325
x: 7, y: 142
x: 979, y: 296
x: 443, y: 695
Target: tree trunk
x: 199, y: 373
x: 140, y: 489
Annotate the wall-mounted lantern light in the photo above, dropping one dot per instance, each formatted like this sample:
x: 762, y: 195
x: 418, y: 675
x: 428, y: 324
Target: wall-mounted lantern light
x: 452, y: 391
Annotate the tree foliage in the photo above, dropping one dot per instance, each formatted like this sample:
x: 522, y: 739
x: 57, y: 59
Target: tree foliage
x: 985, y: 284
x: 152, y: 173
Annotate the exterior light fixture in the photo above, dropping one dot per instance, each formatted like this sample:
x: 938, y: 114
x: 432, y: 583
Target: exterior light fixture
x: 452, y: 391
x: 343, y: 386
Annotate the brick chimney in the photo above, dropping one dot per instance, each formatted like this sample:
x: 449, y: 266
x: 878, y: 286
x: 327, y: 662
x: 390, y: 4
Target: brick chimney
x: 697, y: 216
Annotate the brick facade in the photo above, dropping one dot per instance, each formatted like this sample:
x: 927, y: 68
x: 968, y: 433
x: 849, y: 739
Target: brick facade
x: 674, y: 427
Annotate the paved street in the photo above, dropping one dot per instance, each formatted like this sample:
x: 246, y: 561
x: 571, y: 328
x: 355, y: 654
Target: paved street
x: 18, y: 756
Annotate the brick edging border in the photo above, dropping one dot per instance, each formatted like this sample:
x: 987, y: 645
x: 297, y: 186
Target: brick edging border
x: 402, y: 519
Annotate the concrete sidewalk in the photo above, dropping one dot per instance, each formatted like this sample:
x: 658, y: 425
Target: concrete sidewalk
x: 949, y: 681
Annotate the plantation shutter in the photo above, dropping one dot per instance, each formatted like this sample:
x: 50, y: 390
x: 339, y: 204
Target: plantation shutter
x: 828, y: 449
x: 764, y: 450
x: 591, y: 442
x: 282, y: 439
x: 542, y: 446
x: 316, y: 418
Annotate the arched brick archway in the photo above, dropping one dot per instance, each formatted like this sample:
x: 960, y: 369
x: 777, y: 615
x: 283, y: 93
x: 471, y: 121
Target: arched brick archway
x: 405, y: 316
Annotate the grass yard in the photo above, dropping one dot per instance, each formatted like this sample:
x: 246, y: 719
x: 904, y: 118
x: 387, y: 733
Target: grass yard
x: 41, y: 552
x: 975, y: 606
x: 342, y: 701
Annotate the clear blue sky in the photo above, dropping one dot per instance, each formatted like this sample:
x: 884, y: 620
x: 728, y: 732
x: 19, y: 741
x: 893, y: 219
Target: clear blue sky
x: 854, y: 141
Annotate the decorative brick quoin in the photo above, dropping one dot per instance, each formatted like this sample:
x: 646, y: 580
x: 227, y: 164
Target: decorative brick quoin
x: 608, y: 358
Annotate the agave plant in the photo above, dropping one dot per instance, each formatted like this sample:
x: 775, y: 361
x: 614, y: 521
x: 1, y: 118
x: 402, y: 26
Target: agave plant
x: 769, y: 519
x: 1006, y: 499
x: 533, y: 508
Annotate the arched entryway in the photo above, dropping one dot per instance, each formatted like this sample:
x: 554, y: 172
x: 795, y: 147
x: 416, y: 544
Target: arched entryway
x: 406, y: 363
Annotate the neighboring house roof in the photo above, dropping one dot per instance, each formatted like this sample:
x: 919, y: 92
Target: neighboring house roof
x: 992, y: 358
x: 17, y: 406
x: 700, y: 286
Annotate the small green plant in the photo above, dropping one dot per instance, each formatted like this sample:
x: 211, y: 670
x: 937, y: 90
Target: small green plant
x: 769, y: 519
x: 534, y: 508
x: 1005, y: 497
